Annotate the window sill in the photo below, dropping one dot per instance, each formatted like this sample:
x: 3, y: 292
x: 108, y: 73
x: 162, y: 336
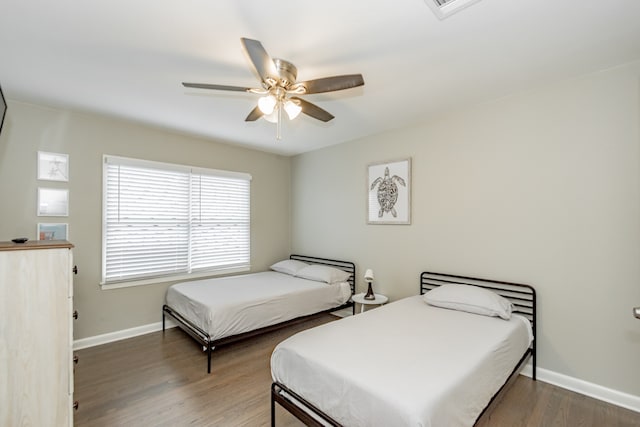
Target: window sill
x: 177, y: 278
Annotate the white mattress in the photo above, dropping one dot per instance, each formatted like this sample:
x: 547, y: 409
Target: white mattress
x: 231, y: 305
x: 403, y: 364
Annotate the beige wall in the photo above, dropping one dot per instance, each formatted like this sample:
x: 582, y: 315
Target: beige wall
x: 539, y: 188
x: 86, y: 137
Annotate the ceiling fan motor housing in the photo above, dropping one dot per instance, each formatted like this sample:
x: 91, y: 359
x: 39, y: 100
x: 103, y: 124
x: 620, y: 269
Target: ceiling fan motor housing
x: 287, y: 72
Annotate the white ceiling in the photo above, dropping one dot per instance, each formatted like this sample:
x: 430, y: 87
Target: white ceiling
x: 128, y: 58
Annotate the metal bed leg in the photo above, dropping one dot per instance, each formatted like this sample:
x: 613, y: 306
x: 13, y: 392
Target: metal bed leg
x: 208, y: 358
x: 273, y: 406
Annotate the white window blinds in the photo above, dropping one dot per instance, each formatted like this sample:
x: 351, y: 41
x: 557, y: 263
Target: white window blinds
x: 163, y: 220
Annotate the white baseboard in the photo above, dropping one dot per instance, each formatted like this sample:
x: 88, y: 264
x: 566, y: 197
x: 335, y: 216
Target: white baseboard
x: 596, y: 391
x: 121, y: 335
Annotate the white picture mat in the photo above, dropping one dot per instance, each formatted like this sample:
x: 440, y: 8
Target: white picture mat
x: 53, y: 202
x: 400, y: 169
x: 53, y: 166
x: 52, y: 231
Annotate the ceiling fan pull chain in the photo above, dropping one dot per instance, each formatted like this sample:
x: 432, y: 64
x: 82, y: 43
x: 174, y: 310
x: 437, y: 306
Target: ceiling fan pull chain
x: 279, y: 122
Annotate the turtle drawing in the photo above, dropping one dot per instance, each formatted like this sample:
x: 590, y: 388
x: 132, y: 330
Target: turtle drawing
x: 387, y: 192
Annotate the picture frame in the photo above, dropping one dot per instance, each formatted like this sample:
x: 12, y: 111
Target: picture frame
x: 52, y: 231
x: 53, y: 166
x: 53, y: 201
x: 389, y: 192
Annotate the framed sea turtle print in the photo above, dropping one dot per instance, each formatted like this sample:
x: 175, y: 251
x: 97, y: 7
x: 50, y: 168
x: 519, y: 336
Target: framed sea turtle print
x: 389, y: 192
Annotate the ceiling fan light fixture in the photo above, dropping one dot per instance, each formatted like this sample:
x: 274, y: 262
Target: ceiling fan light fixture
x: 267, y: 104
x: 272, y: 117
x: 292, y: 108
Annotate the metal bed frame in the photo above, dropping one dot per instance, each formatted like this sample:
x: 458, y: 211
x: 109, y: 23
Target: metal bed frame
x: 523, y: 298
x: 208, y: 344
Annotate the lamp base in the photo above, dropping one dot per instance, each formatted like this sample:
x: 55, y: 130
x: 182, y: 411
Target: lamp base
x: 370, y: 295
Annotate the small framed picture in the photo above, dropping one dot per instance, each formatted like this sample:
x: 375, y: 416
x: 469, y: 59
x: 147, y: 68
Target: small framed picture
x: 53, y: 202
x: 53, y: 166
x: 389, y: 192
x: 51, y: 231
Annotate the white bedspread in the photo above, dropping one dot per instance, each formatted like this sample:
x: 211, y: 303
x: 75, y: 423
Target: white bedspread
x: 403, y: 364
x: 231, y: 305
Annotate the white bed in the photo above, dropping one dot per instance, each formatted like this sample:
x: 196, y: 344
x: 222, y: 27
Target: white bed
x: 222, y: 310
x: 404, y: 364
x: 233, y: 305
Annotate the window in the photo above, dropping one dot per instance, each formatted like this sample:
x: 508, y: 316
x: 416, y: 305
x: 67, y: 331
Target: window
x: 163, y: 220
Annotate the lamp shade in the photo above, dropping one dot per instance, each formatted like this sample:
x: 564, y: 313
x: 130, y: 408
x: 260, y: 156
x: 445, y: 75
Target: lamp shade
x: 267, y: 104
x: 292, y: 108
x: 273, y: 117
x: 368, y: 275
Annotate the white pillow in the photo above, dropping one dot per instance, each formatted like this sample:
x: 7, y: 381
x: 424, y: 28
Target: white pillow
x: 472, y: 299
x: 289, y: 266
x: 323, y: 273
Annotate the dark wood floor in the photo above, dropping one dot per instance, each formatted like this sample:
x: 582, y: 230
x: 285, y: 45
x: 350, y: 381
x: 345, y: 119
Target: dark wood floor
x: 160, y: 380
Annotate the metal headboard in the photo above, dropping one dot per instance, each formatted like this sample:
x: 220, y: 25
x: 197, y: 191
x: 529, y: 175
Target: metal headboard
x: 523, y: 297
x: 347, y: 266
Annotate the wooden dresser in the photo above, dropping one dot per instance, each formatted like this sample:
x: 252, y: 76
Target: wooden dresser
x: 36, y: 334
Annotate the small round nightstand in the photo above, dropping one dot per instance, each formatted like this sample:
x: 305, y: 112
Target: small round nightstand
x: 359, y: 299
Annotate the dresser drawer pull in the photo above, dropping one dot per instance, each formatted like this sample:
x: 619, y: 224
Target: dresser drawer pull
x: 75, y: 405
x: 75, y: 314
x: 75, y: 269
x: 75, y: 359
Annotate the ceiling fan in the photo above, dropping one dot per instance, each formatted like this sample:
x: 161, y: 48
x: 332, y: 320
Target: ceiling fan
x: 280, y: 89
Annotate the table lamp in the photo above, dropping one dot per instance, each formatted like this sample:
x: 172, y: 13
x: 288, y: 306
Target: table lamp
x: 368, y: 276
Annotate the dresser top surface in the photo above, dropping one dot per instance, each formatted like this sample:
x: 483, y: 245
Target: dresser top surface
x: 35, y: 244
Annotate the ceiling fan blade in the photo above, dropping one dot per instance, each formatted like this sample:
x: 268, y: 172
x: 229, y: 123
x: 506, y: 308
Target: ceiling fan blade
x: 217, y: 87
x: 330, y: 84
x: 261, y: 60
x: 254, y: 115
x: 313, y: 110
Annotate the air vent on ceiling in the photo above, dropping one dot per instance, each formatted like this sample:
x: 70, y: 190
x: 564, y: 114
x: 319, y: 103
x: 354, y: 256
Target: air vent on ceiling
x: 444, y: 8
